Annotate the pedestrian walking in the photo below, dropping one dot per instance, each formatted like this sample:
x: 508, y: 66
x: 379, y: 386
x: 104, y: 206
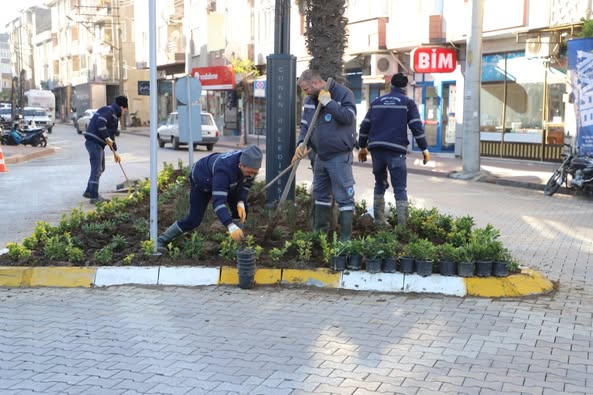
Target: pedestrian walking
x: 226, y: 179
x: 384, y: 131
x: 332, y: 139
x: 101, y: 132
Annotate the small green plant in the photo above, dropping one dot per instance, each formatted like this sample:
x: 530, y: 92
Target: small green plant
x: 104, y: 255
x: 326, y: 249
x: 140, y: 225
x: 118, y: 242
x: 194, y: 247
x: 128, y: 259
x: 304, y: 249
x: 31, y: 242
x: 356, y: 247
x: 587, y: 30
x: 228, y: 249
x: 372, y: 247
x: 147, y: 247
x: 16, y: 251
x: 448, y: 252
x: 421, y: 249
x: 174, y: 251
x: 276, y: 254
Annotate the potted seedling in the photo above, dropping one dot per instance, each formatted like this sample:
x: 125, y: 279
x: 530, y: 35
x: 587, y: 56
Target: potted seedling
x: 355, y: 253
x: 373, y: 253
x: 340, y: 254
x: 448, y: 259
x: 424, y: 253
x: 466, y: 265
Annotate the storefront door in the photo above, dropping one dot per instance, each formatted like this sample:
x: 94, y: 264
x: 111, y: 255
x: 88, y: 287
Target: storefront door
x: 437, y: 109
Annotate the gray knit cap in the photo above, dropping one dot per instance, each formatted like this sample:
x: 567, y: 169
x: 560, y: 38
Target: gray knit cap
x: 251, y: 157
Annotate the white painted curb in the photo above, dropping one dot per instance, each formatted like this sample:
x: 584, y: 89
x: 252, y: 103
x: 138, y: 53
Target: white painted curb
x: 435, y: 283
x: 364, y: 281
x: 188, y: 275
x: 147, y: 275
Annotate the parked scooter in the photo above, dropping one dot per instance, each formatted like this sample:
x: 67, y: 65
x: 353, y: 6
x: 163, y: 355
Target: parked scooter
x: 26, y: 136
x: 580, y: 170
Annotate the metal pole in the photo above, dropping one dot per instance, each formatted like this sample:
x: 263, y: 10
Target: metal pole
x: 471, y: 102
x: 153, y: 122
x: 187, y: 30
x: 121, y: 57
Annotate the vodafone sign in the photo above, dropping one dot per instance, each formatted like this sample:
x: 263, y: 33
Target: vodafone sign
x: 433, y: 60
x: 215, y: 77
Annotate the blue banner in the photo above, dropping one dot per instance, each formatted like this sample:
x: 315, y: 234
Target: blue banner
x: 580, y: 68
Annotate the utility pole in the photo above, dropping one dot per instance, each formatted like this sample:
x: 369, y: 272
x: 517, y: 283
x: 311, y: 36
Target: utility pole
x: 121, y: 56
x: 471, y: 95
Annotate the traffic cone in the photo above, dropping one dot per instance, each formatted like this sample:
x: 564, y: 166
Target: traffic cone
x: 3, y: 168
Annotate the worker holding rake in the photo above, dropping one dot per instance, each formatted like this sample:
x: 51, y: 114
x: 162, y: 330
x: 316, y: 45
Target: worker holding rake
x: 100, y: 133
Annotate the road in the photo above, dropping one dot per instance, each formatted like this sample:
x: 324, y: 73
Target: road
x: 175, y: 340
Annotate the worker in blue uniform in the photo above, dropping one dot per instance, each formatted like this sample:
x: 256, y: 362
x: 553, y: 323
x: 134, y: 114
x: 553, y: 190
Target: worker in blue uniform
x: 332, y: 139
x: 384, y: 131
x: 225, y: 179
x: 100, y: 133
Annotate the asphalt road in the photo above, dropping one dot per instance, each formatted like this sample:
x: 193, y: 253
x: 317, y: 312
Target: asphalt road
x: 175, y: 340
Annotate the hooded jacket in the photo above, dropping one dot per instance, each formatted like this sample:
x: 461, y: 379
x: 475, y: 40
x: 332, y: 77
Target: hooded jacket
x: 387, y: 120
x: 335, y: 131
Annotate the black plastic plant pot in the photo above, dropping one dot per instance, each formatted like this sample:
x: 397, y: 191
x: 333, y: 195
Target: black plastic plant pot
x: 423, y: 267
x: 447, y: 268
x: 406, y: 265
x: 246, y: 268
x: 338, y: 263
x: 354, y: 262
x: 483, y: 268
x: 373, y: 265
x: 389, y: 265
x: 466, y: 269
x: 500, y: 269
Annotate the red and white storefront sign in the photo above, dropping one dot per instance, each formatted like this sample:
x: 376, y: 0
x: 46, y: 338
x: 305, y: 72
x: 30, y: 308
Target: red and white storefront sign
x: 215, y: 77
x: 433, y: 60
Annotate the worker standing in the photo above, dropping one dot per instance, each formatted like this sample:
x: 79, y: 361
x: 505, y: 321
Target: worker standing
x: 384, y: 131
x: 332, y: 139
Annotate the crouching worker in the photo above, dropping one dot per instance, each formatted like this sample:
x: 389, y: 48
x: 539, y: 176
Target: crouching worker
x: 226, y: 179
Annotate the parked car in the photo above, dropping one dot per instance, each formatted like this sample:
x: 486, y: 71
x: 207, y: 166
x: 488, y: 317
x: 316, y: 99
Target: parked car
x: 5, y: 116
x: 39, y: 116
x: 83, y: 122
x: 169, y: 132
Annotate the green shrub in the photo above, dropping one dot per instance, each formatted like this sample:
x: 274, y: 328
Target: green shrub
x: 16, y: 251
x: 421, y: 249
x: 104, y: 255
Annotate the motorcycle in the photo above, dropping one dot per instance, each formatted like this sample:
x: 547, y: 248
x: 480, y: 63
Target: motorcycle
x: 33, y: 136
x: 575, y: 171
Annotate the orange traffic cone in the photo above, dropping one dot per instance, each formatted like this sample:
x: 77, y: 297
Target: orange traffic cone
x: 3, y: 168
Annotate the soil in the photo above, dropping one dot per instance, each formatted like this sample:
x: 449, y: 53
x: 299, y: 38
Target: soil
x: 281, y: 225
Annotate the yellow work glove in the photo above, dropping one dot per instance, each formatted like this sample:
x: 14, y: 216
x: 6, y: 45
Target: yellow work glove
x: 324, y: 97
x: 109, y: 142
x: 116, y: 157
x: 362, y: 155
x: 300, y: 152
x: 426, y: 156
x: 236, y: 233
x: 241, y: 211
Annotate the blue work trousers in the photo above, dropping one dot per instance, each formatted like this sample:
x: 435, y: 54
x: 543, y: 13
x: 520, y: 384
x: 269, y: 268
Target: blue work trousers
x: 97, y: 160
x: 199, y: 197
x: 334, y: 177
x: 395, y: 163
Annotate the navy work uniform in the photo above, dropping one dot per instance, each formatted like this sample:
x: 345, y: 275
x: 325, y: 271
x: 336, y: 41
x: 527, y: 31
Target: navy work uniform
x: 384, y: 131
x: 332, y: 140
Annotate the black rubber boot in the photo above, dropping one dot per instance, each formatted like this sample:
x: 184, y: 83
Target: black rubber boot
x: 379, y: 210
x: 165, y: 238
x: 346, y: 225
x: 321, y: 218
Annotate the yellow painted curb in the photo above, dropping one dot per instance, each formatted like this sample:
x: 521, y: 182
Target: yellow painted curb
x: 528, y: 282
x: 319, y: 277
x: 15, y: 276
x: 230, y: 275
x: 63, y: 277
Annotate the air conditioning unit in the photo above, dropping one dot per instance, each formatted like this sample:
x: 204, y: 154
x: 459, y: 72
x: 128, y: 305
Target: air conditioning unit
x: 383, y: 64
x: 540, y: 47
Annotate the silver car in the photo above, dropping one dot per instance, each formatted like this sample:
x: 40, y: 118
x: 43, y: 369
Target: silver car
x: 169, y: 132
x: 83, y: 122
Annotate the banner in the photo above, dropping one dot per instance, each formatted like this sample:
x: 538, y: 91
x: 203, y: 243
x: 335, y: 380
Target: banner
x: 580, y: 68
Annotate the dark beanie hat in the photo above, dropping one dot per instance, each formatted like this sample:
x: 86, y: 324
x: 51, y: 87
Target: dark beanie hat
x: 251, y: 157
x: 399, y: 80
x: 122, y: 101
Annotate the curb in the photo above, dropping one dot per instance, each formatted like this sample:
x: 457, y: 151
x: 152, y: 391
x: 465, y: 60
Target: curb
x: 18, y: 158
x: 526, y: 283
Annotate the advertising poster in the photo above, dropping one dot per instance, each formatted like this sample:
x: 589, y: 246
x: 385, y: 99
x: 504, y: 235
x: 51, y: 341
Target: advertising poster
x: 580, y: 68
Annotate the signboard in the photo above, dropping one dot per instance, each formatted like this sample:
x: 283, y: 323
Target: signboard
x: 143, y: 88
x: 259, y: 88
x: 215, y: 77
x: 433, y: 60
x: 580, y: 59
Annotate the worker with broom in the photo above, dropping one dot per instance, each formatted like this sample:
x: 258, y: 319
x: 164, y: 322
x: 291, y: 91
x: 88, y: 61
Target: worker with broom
x: 225, y: 179
x: 332, y: 139
x: 101, y: 132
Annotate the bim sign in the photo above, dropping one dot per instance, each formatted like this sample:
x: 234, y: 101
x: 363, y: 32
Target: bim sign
x: 434, y: 60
